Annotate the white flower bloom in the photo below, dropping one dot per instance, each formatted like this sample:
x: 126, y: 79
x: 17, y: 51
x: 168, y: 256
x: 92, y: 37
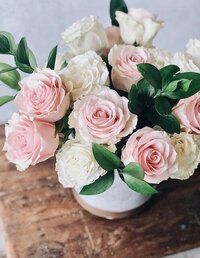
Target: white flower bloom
x: 184, y: 61
x: 138, y: 26
x: 159, y: 56
x: 76, y: 165
x: 86, y: 34
x: 85, y: 73
x: 188, y: 155
x: 62, y: 59
x: 193, y: 49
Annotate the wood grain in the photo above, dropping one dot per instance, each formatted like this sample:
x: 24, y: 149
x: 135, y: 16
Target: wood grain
x: 42, y: 220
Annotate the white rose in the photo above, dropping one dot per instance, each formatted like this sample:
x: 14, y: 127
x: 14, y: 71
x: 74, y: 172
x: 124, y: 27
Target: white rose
x: 138, y: 26
x: 184, y: 61
x: 76, y: 165
x: 85, y: 73
x: 188, y: 155
x: 159, y: 56
x: 85, y: 34
x: 62, y: 59
x: 193, y: 49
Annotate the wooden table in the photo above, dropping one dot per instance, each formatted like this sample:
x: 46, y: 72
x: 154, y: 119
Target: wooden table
x: 42, y: 220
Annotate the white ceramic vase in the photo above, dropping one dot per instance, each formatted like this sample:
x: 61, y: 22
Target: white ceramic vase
x: 119, y: 201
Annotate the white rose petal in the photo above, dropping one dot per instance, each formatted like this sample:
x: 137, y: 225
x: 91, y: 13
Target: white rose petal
x: 76, y: 165
x: 138, y: 26
x: 193, y: 49
x: 62, y: 59
x: 159, y: 57
x: 184, y: 61
x: 86, y: 34
x: 188, y: 155
x: 85, y: 73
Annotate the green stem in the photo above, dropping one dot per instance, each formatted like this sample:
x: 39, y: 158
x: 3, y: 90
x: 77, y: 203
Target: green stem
x: 8, y: 70
x: 159, y: 93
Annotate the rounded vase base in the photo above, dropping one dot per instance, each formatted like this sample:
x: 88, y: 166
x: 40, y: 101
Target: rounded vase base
x: 107, y: 214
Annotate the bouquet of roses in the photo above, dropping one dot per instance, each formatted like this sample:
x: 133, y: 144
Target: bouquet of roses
x: 112, y: 103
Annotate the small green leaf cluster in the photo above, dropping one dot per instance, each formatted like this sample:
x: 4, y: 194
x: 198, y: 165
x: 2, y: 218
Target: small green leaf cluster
x: 155, y: 95
x: 24, y: 60
x: 62, y: 128
x: 132, y: 174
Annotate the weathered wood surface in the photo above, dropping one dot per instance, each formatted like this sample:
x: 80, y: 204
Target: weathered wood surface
x: 42, y: 220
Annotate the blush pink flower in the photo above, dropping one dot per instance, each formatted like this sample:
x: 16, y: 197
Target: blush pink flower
x: 124, y: 60
x: 188, y: 113
x: 43, y: 96
x: 113, y: 36
x: 29, y: 142
x: 102, y: 118
x: 153, y: 151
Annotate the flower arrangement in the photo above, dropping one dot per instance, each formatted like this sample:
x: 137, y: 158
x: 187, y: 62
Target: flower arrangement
x: 112, y: 103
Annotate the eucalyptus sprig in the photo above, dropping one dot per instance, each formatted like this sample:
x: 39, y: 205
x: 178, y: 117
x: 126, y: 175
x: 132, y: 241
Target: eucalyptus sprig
x: 155, y: 95
x: 132, y: 174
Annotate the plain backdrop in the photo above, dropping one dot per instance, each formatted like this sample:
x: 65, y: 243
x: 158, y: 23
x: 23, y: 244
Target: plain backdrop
x: 42, y: 21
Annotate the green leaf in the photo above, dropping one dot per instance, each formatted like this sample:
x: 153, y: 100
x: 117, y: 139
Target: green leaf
x: 23, y: 52
x: 7, y: 43
x: 167, y: 73
x: 102, y: 184
x: 32, y: 59
x: 171, y: 86
x: 184, y: 89
x: 138, y: 185
x: 5, y: 99
x: 105, y: 158
x: 151, y: 74
x: 140, y: 97
x: 169, y: 123
x: 162, y: 106
x: 188, y: 76
x: 117, y: 5
x: 10, y: 76
x: 135, y: 105
x: 22, y: 57
x: 52, y: 58
x: 134, y: 169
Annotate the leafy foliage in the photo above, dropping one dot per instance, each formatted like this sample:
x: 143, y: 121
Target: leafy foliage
x: 7, y: 43
x: 22, y: 58
x: 138, y: 185
x: 151, y: 74
x: 52, y: 58
x: 155, y: 95
x: 5, y: 99
x: 9, y: 76
x: 105, y: 158
x: 100, y: 185
x: 62, y: 128
x: 132, y: 174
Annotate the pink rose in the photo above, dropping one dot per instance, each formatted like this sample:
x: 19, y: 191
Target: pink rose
x: 29, y: 142
x: 153, y: 151
x: 114, y: 37
x: 43, y: 96
x: 188, y: 113
x: 102, y: 118
x: 124, y: 60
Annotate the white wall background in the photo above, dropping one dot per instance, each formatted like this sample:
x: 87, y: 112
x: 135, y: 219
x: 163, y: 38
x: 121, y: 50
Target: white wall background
x: 41, y: 21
